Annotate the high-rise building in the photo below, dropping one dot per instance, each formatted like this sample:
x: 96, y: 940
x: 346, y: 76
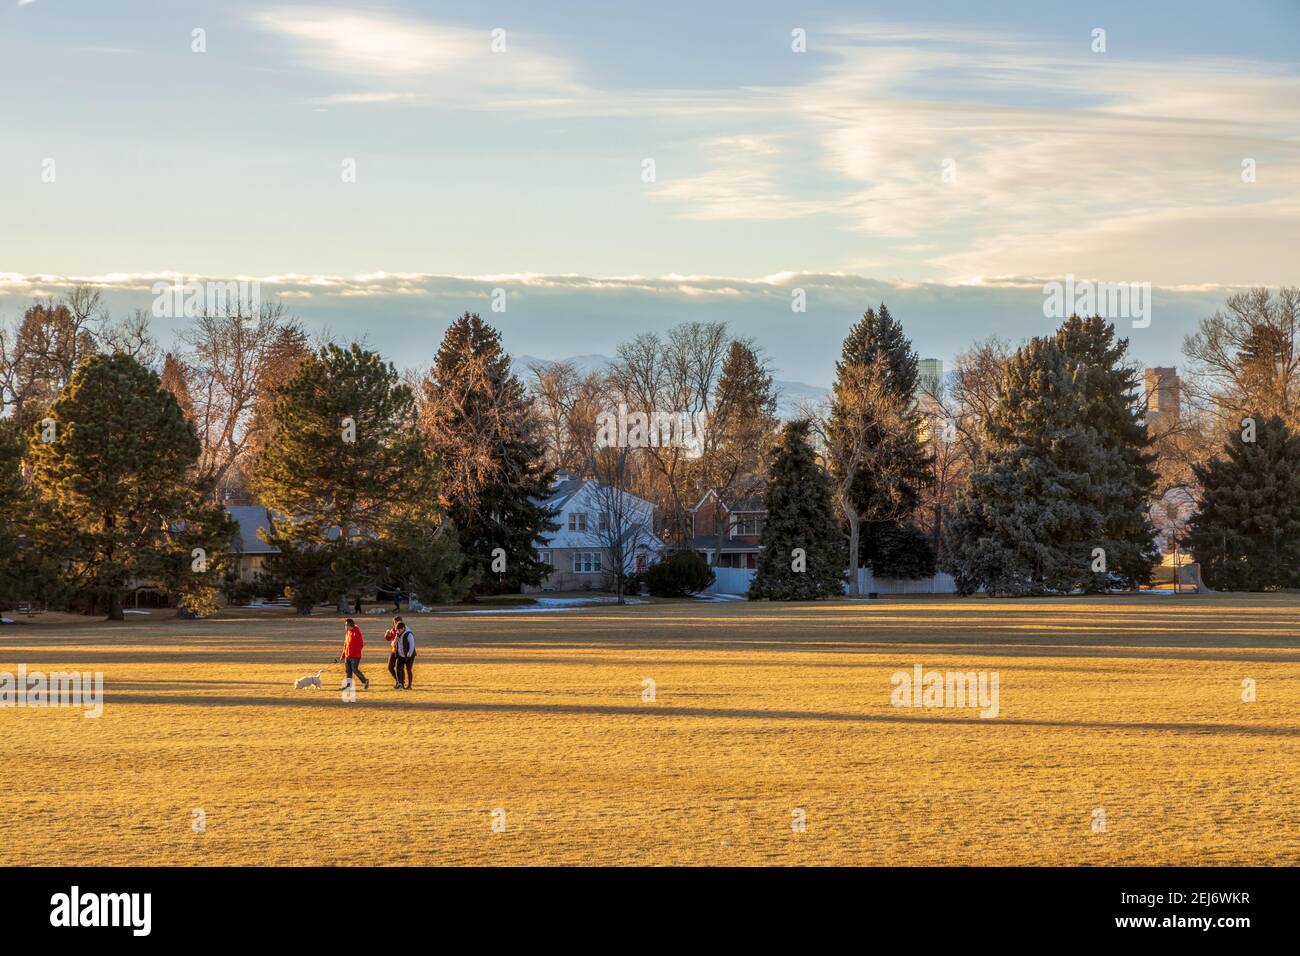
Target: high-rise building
x: 929, y: 372
x: 1162, y: 392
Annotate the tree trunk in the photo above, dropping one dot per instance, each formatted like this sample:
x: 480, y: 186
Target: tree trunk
x: 115, y: 606
x: 343, y: 604
x: 854, y: 529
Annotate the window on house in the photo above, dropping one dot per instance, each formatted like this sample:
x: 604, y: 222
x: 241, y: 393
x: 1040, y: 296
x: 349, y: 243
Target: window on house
x: 587, y: 562
x: 545, y: 557
x: 577, y: 521
x: 749, y: 523
x: 640, y: 563
x: 604, y: 521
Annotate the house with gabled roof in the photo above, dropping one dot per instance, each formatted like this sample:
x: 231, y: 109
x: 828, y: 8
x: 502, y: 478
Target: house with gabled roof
x: 728, y: 534
x: 247, y: 550
x: 582, y: 552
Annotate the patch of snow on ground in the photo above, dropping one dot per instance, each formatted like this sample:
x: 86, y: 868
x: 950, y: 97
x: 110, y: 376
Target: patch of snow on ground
x: 553, y: 604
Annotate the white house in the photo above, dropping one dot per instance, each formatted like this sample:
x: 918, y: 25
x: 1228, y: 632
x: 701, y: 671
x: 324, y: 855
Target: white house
x: 583, y: 551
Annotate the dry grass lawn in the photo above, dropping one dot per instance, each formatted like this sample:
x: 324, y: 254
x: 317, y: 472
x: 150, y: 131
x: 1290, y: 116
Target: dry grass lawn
x: 1132, y: 705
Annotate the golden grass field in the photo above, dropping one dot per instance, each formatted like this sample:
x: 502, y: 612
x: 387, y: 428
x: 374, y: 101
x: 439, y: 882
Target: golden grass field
x: 1128, y: 704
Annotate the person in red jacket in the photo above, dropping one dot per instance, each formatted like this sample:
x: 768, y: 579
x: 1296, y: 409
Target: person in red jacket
x: 390, y: 636
x: 351, y: 656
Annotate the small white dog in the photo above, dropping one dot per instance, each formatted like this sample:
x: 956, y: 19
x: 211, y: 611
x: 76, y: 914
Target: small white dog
x: 311, y: 680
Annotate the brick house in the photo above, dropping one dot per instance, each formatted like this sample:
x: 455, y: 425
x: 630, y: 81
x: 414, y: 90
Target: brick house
x: 741, y: 523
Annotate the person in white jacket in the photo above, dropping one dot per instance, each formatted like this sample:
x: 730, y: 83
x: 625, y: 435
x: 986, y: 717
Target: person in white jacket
x: 404, y: 648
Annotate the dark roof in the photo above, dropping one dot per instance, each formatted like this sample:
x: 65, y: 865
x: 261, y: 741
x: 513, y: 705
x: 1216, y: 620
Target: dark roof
x: 562, y: 491
x: 751, y: 503
x: 248, y: 519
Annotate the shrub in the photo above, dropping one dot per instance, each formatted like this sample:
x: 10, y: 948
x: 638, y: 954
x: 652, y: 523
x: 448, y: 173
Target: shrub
x: 682, y: 572
x: 903, y: 552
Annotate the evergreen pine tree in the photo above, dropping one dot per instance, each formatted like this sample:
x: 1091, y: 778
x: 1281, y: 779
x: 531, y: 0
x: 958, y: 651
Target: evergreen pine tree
x: 174, y: 380
x: 113, y: 467
x: 740, y: 432
x: 424, y: 559
x: 904, y: 551
x: 1039, y: 517
x: 803, y: 546
x: 479, y: 425
x: 1246, y: 534
x: 342, y: 468
x: 1112, y: 395
x: 16, y: 514
x: 885, y: 502
x: 745, y: 395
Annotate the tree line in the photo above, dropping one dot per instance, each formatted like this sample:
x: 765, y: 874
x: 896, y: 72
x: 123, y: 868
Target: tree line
x: 114, y: 463
x: 1037, y: 469
x: 1027, y: 471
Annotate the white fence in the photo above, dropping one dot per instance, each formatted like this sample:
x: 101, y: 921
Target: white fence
x: 730, y: 581
x: 736, y: 581
x: 940, y: 583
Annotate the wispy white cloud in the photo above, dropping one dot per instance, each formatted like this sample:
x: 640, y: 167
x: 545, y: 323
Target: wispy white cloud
x: 1062, y: 160
x: 1057, y: 159
x: 438, y: 63
x: 352, y: 99
x: 741, y: 183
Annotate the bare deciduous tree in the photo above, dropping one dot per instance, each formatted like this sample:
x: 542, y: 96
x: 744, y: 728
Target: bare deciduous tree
x: 868, y: 408
x: 1245, y: 361
x: 621, y: 526
x: 232, y: 363
x: 676, y: 373
x: 567, y: 402
x: 39, y: 354
x: 956, y: 413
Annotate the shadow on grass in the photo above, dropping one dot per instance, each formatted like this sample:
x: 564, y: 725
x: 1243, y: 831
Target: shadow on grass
x: 310, y: 656
x: 330, y: 698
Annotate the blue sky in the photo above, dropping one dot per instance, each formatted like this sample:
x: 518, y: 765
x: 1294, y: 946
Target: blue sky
x: 522, y: 169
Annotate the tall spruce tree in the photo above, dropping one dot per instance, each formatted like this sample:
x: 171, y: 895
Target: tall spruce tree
x: 342, y: 468
x: 479, y: 426
x: 740, y: 433
x: 1246, y: 534
x: 1112, y: 393
x: 113, y: 465
x: 1051, y: 509
x: 885, y: 498
x: 803, y: 547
